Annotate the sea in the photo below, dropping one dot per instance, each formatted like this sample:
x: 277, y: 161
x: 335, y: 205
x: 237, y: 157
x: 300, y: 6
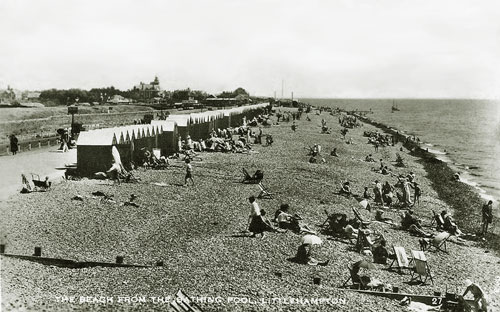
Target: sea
x: 462, y: 132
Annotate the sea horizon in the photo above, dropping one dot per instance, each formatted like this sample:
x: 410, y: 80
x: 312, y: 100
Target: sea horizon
x: 463, y: 132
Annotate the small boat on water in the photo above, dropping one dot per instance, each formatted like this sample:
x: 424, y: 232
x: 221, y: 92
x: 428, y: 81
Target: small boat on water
x: 394, y: 107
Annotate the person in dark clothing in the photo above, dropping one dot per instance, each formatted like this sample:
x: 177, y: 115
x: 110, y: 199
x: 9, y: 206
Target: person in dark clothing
x: 487, y: 216
x: 380, y: 253
x: 14, y: 147
x: 366, y: 195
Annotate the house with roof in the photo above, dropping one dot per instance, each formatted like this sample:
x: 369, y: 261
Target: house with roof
x: 149, y: 90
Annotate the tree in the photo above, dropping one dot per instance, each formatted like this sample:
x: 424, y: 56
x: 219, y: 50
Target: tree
x: 238, y: 92
x: 241, y: 91
x: 180, y: 95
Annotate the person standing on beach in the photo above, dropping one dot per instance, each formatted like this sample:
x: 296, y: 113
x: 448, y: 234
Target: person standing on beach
x: 255, y: 223
x: 487, y: 216
x: 189, y: 172
x: 417, y: 193
x: 14, y: 147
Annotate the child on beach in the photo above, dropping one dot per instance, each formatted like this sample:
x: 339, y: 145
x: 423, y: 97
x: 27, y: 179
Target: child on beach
x: 417, y: 194
x: 189, y: 172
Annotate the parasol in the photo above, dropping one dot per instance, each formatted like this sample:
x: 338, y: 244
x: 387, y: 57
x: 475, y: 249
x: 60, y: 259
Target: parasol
x: 364, y: 265
x: 310, y: 239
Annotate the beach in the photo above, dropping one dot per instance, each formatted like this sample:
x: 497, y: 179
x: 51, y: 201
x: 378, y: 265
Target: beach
x: 464, y: 133
x: 189, y: 229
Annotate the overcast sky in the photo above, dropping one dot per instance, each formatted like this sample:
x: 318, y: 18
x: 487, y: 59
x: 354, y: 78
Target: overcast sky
x: 331, y: 48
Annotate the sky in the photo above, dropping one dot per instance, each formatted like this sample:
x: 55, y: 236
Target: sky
x: 330, y: 48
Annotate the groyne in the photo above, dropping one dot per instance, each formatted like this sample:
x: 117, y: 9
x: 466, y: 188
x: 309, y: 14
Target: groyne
x: 464, y: 199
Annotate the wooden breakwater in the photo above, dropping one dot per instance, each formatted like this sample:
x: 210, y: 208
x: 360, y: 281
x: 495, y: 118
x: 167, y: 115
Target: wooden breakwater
x: 463, y: 198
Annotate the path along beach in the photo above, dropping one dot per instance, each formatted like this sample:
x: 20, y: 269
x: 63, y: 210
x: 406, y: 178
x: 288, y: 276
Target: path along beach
x: 189, y: 229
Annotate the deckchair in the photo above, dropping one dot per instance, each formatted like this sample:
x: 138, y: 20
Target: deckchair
x: 182, y: 303
x: 256, y: 178
x: 438, y: 220
x: 439, y: 242
x: 363, y: 241
x: 421, y: 269
x: 264, y: 192
x: 360, y: 284
x: 417, y: 254
x: 40, y: 184
x: 360, y: 218
x: 26, y: 184
x: 401, y: 259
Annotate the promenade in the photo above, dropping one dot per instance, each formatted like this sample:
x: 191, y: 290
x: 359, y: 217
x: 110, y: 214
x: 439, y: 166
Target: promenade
x: 45, y: 162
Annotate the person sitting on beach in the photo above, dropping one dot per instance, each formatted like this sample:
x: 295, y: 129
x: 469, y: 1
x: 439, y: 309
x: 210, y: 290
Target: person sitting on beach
x: 315, y: 150
x: 352, y: 230
x: 369, y: 158
x: 380, y: 253
x: 407, y: 219
x: 449, y: 225
x: 345, y: 189
x: 304, y: 255
x: 413, y: 224
x: 456, y: 177
x: 334, y: 152
x: 113, y: 173
x: 288, y: 222
x: 366, y: 195
x: 379, y: 217
x: 270, y: 227
x: 269, y: 140
x: 337, y: 223
x: 313, y: 160
x: 385, y: 171
x: 387, y: 193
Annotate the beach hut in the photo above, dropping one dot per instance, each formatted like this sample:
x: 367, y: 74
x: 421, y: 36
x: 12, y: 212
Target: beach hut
x: 236, y: 116
x: 94, y: 150
x: 183, y: 124
x: 145, y: 139
x: 168, y: 137
x: 226, y: 119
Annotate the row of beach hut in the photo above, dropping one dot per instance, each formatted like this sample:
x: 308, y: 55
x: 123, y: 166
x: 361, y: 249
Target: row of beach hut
x: 94, y: 147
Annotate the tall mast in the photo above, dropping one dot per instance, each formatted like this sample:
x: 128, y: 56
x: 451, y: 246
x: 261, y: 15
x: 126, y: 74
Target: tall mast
x: 282, y: 88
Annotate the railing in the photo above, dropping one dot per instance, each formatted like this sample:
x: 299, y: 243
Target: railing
x: 51, y: 140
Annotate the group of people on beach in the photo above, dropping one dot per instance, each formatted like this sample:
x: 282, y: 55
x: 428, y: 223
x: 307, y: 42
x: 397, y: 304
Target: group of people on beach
x: 404, y: 193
